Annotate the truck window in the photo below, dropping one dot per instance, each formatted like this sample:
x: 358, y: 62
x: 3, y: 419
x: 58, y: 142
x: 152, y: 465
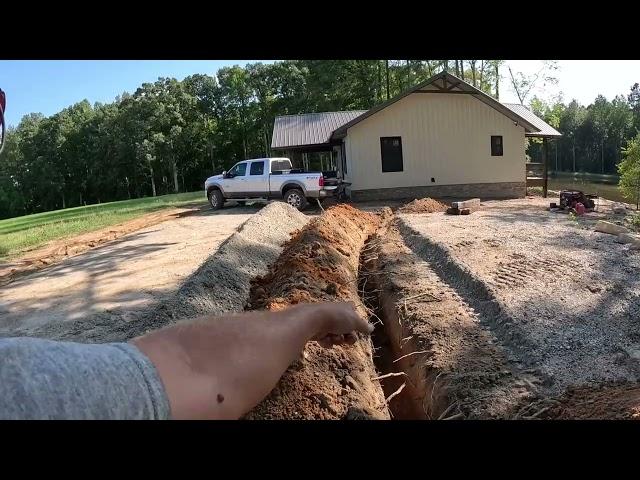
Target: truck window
x: 257, y: 168
x: 280, y: 165
x: 238, y: 170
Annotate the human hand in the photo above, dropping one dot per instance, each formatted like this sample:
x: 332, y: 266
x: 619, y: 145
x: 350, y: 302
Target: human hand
x: 335, y: 323
x: 221, y: 367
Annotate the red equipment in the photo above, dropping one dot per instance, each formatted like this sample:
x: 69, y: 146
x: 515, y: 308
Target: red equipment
x: 569, y: 199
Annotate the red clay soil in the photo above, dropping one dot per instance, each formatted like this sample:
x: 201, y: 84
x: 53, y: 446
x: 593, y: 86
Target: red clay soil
x: 450, y: 364
x: 605, y: 402
x: 320, y: 263
x: 423, y: 205
x: 58, y: 250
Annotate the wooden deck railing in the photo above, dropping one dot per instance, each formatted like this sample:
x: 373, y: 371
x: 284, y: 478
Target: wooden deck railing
x: 535, y: 174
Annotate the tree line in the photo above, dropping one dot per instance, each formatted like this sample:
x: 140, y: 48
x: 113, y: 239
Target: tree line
x: 168, y: 136
x: 594, y: 136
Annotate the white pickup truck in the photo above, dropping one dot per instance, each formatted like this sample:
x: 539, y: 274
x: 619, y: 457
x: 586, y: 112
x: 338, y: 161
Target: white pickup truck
x: 268, y: 178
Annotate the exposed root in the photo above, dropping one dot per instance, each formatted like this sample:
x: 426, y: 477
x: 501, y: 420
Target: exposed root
x: 409, y: 354
x: 446, y: 412
x: 455, y: 417
x: 389, y: 375
x: 396, y: 393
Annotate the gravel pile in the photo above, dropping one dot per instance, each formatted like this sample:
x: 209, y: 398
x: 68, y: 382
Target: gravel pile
x: 220, y: 285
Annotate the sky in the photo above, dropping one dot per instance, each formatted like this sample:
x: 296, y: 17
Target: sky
x: 581, y: 80
x: 48, y: 86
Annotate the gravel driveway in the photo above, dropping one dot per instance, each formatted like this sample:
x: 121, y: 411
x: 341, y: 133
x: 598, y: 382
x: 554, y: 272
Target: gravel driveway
x: 563, y: 299
x: 127, y: 274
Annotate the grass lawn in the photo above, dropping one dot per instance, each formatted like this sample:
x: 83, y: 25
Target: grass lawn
x: 18, y: 234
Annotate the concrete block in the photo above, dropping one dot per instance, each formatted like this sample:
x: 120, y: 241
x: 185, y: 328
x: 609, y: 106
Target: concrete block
x: 632, y: 238
x: 611, y: 228
x: 473, y: 203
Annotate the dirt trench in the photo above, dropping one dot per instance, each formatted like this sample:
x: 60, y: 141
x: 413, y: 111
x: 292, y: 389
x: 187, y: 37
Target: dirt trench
x: 320, y: 263
x: 429, y: 357
x: 438, y: 361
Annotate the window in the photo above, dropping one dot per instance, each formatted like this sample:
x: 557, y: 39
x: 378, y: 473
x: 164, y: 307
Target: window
x: 496, y: 145
x: 238, y: 170
x: 279, y: 165
x: 391, y: 150
x: 257, y: 168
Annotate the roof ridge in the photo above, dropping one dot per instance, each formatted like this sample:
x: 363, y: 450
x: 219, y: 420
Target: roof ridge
x: 459, y: 82
x: 319, y: 113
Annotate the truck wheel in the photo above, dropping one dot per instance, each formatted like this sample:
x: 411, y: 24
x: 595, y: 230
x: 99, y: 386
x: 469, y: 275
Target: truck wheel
x: 216, y: 199
x: 296, y: 198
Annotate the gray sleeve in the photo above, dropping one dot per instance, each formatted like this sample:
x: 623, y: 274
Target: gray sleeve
x: 43, y: 379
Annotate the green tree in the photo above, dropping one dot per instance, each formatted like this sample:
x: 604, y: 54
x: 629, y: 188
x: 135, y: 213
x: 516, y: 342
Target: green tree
x: 634, y: 102
x: 169, y: 135
x: 629, y: 170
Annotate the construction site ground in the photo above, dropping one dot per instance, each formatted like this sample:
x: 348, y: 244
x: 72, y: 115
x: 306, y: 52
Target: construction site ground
x: 509, y: 312
x: 122, y: 275
x: 560, y: 301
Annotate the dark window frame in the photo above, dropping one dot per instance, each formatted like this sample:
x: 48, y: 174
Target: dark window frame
x: 391, y: 162
x: 261, y: 162
x: 497, y: 148
x: 343, y: 155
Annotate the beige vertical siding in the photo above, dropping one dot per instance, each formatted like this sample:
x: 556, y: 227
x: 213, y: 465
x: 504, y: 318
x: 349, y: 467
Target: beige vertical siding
x: 447, y: 137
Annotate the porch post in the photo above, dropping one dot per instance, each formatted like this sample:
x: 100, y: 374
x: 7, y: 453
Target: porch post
x: 545, y: 157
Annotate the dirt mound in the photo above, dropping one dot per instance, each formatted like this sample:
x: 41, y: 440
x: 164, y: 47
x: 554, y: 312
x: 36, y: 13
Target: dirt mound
x: 423, y: 205
x: 220, y: 285
x: 320, y: 263
x: 449, y: 364
x: 605, y: 402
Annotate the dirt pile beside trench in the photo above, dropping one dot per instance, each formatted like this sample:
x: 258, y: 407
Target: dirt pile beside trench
x: 423, y: 205
x: 450, y: 364
x: 320, y: 263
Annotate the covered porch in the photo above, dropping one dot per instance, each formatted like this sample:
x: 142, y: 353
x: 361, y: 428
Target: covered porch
x: 537, y: 173
x: 323, y: 158
x: 306, y: 140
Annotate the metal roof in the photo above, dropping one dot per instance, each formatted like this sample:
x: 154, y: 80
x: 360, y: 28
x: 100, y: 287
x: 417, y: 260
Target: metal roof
x: 308, y: 129
x: 443, y: 82
x: 314, y: 129
x: 545, y: 130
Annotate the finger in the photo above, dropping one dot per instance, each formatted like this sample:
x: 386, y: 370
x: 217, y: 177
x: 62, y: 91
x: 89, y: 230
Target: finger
x: 324, y: 342
x: 330, y: 340
x: 357, y: 322
x: 350, y: 339
x: 346, y: 318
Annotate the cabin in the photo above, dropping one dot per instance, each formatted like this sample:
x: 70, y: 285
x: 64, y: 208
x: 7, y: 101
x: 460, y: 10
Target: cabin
x: 441, y: 138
